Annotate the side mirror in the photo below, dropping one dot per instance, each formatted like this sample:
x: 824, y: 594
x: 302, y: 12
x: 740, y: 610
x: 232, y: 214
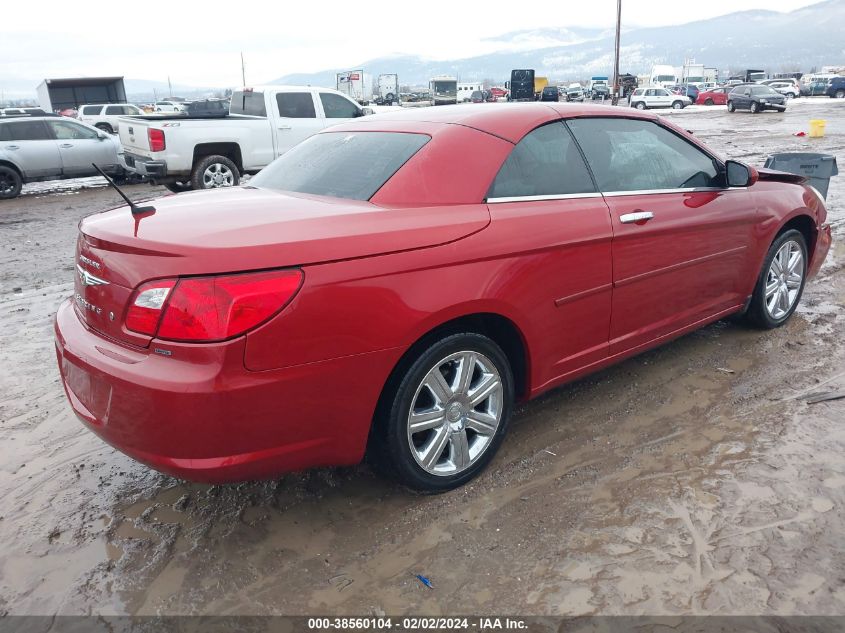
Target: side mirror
x: 367, y: 111
x: 740, y: 174
x: 102, y: 135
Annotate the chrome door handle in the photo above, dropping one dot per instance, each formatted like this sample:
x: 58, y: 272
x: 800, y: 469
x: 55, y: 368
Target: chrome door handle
x: 13, y: 146
x: 284, y: 127
x: 636, y: 217
x: 66, y: 145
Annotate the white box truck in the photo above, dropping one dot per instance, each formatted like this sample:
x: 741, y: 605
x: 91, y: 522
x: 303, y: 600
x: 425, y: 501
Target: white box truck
x: 357, y: 85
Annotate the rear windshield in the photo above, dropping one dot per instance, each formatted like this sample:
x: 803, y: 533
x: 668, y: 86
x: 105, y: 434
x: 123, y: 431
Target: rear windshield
x: 351, y: 165
x: 251, y: 103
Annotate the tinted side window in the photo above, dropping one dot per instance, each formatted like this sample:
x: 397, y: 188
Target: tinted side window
x: 631, y: 155
x: 545, y: 162
x: 27, y: 131
x: 114, y: 110
x: 336, y: 107
x: 296, y: 105
x: 91, y: 110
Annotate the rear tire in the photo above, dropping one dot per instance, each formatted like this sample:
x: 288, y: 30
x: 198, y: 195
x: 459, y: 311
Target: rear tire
x: 447, y: 451
x: 10, y: 183
x: 778, y: 290
x: 213, y: 172
x: 839, y: 94
x: 105, y: 127
x: 640, y: 105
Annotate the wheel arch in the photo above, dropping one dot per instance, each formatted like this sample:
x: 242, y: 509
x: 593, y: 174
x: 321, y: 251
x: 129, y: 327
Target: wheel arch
x: 499, y: 328
x: 11, y: 165
x: 230, y: 150
x: 805, y: 225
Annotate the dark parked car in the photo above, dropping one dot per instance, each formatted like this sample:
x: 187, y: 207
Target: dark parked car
x: 836, y: 88
x: 550, y: 93
x: 755, y: 98
x: 600, y: 91
x: 477, y: 97
x: 207, y: 108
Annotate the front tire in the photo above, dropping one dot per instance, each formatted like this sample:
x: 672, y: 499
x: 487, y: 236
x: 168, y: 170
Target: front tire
x: 446, y: 414
x: 677, y: 105
x: 781, y: 282
x: 708, y: 102
x: 214, y: 172
x: 755, y: 107
x: 731, y: 106
x: 10, y: 183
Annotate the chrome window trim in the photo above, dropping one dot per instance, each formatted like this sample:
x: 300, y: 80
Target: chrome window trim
x: 607, y: 194
x: 644, y: 192
x: 556, y: 196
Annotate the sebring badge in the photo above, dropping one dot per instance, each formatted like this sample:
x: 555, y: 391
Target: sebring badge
x: 88, y: 279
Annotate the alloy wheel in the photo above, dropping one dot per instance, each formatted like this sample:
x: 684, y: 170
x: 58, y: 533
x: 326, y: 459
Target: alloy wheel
x: 455, y: 413
x: 784, y: 280
x: 217, y: 175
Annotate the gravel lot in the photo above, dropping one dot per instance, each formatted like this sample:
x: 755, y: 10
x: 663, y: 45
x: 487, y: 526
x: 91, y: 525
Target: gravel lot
x: 692, y: 479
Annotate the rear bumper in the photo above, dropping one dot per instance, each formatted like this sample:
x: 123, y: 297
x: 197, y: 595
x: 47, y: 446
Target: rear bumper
x: 143, y: 165
x: 199, y: 414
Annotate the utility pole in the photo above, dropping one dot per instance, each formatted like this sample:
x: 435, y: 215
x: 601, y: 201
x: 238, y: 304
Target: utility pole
x: 616, y: 55
x: 169, y: 87
x: 243, y: 70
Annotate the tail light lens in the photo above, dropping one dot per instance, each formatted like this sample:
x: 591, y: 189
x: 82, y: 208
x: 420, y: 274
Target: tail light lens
x: 205, y: 309
x: 156, y: 138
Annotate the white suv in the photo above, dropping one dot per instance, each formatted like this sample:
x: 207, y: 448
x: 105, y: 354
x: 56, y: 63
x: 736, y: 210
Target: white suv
x: 657, y: 97
x: 104, y: 116
x: 787, y: 88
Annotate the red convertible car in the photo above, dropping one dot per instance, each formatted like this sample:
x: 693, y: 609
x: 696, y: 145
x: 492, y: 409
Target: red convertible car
x: 393, y: 285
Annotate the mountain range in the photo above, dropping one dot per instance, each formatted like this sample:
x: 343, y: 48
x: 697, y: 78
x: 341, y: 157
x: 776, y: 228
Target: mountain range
x: 800, y: 40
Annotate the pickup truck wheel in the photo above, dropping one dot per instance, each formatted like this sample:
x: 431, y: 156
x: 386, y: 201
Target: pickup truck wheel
x: 105, y: 127
x: 178, y: 187
x: 213, y: 172
x: 10, y: 183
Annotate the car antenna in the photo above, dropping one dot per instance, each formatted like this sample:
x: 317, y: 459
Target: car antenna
x: 136, y: 210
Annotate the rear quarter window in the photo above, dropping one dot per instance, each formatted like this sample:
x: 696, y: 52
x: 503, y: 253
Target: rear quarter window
x: 352, y: 165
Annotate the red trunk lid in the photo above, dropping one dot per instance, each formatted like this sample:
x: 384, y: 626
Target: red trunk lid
x: 241, y: 229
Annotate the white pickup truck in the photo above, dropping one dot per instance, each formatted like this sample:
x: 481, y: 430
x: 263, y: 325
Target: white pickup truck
x: 184, y: 153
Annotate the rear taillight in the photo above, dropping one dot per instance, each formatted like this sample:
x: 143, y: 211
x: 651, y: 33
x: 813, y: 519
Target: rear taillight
x: 203, y: 309
x: 156, y: 138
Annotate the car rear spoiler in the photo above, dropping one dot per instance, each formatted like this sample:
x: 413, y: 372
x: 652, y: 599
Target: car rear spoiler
x: 779, y: 176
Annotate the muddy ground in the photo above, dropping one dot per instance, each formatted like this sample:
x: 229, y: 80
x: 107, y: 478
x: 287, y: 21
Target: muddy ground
x: 692, y: 479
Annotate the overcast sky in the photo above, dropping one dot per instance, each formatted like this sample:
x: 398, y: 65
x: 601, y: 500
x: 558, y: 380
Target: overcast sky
x: 198, y: 43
